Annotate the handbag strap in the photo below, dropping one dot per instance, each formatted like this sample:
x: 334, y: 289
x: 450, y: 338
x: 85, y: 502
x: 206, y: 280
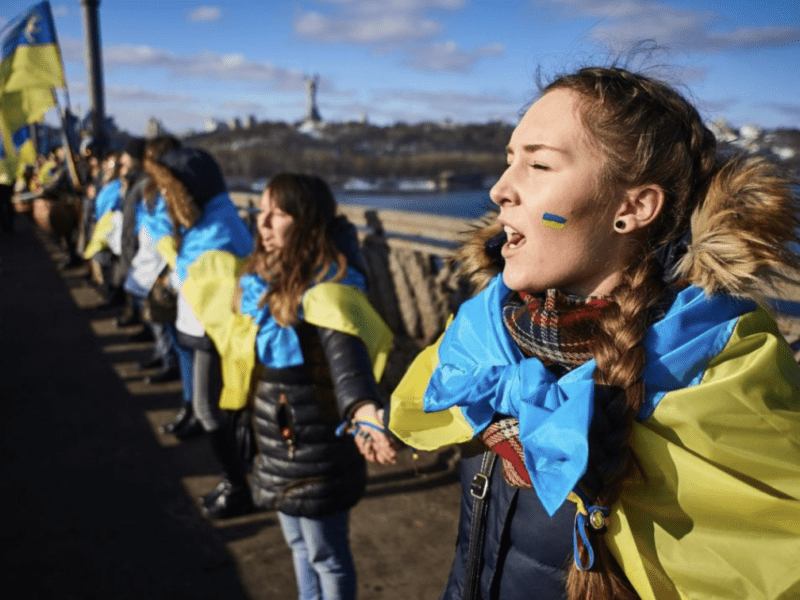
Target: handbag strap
x: 479, y: 490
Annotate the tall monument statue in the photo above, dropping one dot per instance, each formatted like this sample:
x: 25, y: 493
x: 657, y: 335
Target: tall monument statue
x: 312, y: 114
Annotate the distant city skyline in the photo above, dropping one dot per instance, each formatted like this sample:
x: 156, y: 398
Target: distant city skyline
x: 185, y: 62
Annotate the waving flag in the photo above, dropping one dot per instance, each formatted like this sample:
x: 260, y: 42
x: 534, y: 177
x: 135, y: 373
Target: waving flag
x: 30, y: 69
x: 31, y: 58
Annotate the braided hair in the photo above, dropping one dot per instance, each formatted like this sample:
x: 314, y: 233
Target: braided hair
x: 649, y: 135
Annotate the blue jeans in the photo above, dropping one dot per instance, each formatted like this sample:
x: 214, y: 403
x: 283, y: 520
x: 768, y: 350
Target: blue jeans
x: 323, y: 564
x: 184, y: 364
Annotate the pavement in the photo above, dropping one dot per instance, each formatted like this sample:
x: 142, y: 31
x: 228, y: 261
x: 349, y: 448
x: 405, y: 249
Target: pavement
x: 100, y: 504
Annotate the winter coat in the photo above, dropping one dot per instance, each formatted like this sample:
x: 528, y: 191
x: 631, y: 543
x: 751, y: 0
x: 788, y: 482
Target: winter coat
x: 713, y: 507
x: 314, y: 375
x: 303, y: 468
x: 516, y: 564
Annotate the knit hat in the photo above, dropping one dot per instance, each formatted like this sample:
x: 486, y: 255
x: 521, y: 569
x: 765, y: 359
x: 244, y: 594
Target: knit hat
x: 135, y: 147
x: 197, y: 171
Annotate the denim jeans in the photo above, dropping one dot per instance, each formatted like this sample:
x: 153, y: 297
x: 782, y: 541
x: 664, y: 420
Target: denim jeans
x: 323, y: 564
x: 185, y: 364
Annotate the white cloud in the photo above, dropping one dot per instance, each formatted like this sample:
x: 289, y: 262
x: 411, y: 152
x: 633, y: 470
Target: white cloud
x: 122, y: 93
x: 785, y: 109
x: 206, y: 65
x: 447, y: 56
x: 626, y: 22
x: 204, y: 14
x: 72, y: 50
x: 242, y: 106
x: 453, y: 101
x: 373, y: 21
x: 387, y: 25
x: 365, y: 30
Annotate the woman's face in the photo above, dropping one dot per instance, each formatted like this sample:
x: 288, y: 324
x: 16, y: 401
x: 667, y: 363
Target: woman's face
x: 273, y: 223
x: 560, y: 234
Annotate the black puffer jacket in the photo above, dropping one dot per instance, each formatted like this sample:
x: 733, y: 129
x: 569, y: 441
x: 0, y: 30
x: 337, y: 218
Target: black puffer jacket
x: 302, y: 467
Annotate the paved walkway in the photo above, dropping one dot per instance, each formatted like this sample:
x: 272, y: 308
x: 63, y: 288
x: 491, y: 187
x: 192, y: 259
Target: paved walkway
x: 99, y: 504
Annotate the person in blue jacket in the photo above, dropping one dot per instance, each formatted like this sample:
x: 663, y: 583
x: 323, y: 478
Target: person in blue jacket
x: 149, y: 219
x: 631, y: 415
x: 206, y: 231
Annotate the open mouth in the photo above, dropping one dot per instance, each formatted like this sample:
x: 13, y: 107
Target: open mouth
x: 515, y: 238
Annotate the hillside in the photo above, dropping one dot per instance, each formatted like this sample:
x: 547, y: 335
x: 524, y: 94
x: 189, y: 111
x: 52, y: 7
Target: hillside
x: 341, y: 151
x: 452, y: 155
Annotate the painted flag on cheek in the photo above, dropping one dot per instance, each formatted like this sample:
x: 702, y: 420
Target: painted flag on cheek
x: 553, y: 221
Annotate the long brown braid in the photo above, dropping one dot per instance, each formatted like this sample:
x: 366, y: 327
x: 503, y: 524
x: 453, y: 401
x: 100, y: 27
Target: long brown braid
x: 649, y: 135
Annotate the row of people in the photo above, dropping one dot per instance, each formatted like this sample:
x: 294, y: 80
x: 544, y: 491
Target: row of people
x: 284, y: 318
x: 642, y: 410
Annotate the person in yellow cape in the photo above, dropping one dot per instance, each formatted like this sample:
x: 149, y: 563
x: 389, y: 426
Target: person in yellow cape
x: 210, y: 243
x: 320, y: 348
x: 643, y: 411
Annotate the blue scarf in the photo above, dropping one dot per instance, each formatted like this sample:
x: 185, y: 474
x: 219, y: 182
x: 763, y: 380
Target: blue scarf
x: 279, y: 347
x: 482, y: 371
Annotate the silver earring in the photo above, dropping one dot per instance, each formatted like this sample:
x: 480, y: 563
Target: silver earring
x: 619, y: 225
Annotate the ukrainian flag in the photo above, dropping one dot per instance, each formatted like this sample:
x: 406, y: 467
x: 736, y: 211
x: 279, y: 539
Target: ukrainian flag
x: 712, y: 509
x: 30, y: 55
x: 252, y: 336
x: 553, y: 221
x: 29, y: 70
x: 21, y: 151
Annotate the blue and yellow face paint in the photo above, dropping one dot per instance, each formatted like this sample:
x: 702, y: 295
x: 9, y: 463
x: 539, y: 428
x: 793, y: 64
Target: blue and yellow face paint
x: 553, y: 221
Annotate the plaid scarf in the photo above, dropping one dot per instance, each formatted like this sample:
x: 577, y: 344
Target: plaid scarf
x: 558, y: 329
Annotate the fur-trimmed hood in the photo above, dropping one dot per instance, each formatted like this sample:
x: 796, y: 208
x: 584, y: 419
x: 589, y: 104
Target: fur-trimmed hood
x: 739, y: 240
x: 191, y: 178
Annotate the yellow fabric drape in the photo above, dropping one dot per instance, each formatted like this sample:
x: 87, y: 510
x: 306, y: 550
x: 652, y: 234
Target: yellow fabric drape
x: 408, y: 419
x: 209, y: 289
x: 103, y: 230
x: 715, y: 511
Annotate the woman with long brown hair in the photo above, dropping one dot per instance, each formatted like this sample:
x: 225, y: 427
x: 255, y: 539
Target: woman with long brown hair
x: 320, y: 347
x: 643, y: 411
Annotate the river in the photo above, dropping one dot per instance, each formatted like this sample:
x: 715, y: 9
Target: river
x: 468, y: 204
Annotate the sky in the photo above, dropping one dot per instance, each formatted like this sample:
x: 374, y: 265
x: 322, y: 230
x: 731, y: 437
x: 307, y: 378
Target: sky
x: 389, y: 61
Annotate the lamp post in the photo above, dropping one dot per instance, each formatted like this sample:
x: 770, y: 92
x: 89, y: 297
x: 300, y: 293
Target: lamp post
x: 94, y: 65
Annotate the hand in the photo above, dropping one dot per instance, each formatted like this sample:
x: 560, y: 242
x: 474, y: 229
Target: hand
x: 374, y: 444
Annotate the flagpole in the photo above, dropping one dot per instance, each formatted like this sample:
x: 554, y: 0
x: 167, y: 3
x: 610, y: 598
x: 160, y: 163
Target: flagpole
x: 73, y: 171
x: 95, y: 70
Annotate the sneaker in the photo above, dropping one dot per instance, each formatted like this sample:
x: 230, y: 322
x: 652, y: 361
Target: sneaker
x: 234, y: 501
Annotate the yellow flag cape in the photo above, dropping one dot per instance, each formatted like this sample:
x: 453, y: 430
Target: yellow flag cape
x: 103, y: 230
x: 714, y: 511
x: 210, y: 289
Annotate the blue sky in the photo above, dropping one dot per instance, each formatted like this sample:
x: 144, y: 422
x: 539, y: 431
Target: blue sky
x: 418, y: 60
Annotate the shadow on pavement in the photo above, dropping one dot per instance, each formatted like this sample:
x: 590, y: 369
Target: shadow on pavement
x: 94, y: 505
x: 100, y: 504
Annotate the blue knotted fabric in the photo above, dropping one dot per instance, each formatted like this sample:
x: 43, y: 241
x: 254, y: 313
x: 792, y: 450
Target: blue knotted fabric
x: 279, y: 347
x: 482, y: 372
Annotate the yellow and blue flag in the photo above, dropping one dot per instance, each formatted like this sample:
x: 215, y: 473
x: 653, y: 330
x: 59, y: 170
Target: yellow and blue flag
x: 253, y: 336
x: 716, y: 444
x: 29, y: 70
x: 30, y: 55
x: 23, y: 153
